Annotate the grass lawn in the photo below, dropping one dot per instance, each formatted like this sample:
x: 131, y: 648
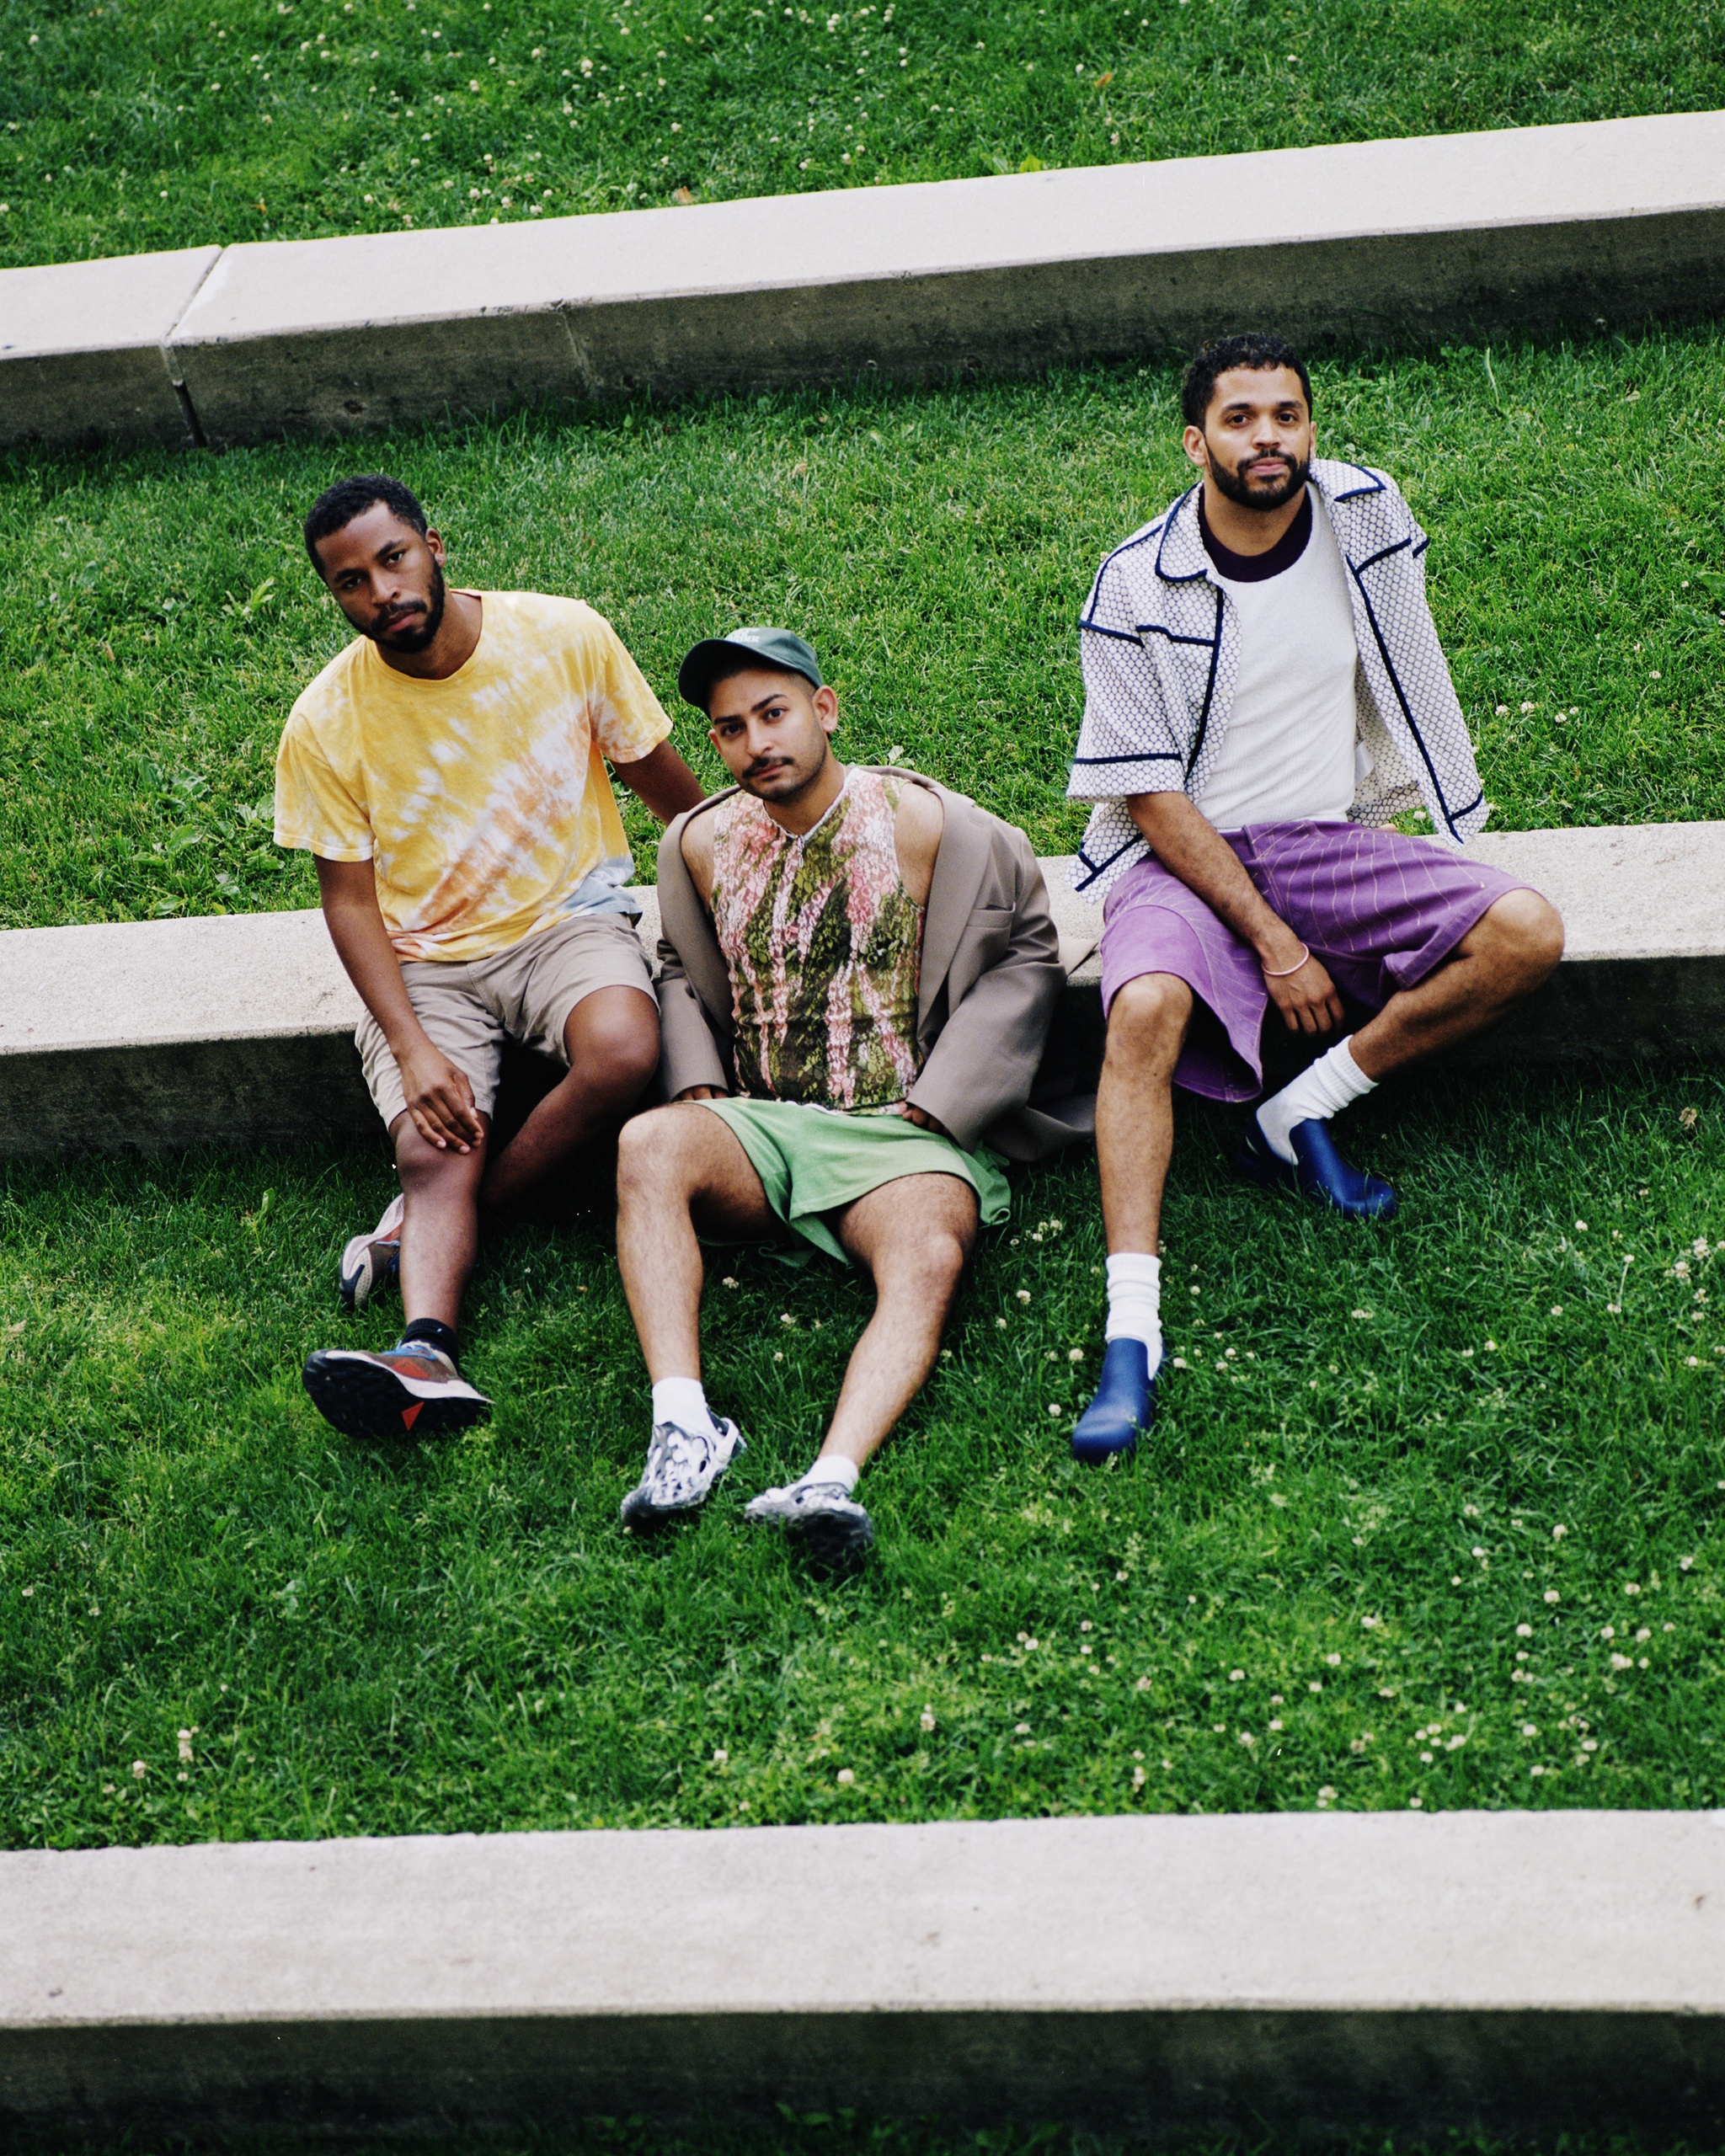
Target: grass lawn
x: 935, y: 547
x: 1428, y: 1518
x: 129, y: 125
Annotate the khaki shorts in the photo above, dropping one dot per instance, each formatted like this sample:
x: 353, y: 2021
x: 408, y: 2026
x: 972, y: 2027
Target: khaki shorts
x: 470, y: 1007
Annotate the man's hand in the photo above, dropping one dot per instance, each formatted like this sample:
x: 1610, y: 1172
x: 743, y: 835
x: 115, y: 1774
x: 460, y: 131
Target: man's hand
x: 923, y: 1120
x: 703, y: 1093
x: 1189, y: 845
x: 1306, y: 997
x: 439, y: 1098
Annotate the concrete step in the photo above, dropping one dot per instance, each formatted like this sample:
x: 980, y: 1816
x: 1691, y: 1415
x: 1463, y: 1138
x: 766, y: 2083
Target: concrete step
x: 83, y: 349
x: 237, y: 1028
x: 1511, y: 1973
x: 1518, y: 229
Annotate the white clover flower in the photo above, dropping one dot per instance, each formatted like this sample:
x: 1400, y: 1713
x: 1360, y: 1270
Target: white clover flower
x: 926, y: 1719
x: 1553, y: 1595
x: 845, y: 1775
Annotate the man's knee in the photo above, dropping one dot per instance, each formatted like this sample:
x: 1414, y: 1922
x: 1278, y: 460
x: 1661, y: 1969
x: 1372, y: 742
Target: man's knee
x: 651, y: 1149
x: 422, y: 1166
x: 613, y: 1040
x: 1149, y: 1016
x: 1527, y: 935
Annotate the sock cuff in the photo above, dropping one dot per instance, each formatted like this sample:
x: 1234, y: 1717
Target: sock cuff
x: 682, y: 1401
x: 434, y: 1333
x: 836, y: 1469
x: 1131, y: 1268
x: 1340, y: 1060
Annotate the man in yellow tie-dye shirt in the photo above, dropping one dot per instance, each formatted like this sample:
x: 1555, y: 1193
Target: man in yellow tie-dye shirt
x: 447, y: 770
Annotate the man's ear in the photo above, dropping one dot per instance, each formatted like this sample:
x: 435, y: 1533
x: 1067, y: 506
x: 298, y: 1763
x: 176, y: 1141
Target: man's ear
x: 1193, y: 439
x: 826, y: 709
x: 434, y: 540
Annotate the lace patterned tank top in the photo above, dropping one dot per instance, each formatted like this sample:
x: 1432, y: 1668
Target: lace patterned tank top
x: 822, y: 943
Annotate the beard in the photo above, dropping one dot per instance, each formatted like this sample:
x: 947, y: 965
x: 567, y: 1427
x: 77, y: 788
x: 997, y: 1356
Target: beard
x: 1274, y: 494
x: 425, y: 635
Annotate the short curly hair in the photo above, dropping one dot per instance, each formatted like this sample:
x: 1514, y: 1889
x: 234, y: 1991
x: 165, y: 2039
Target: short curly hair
x: 1253, y: 349
x: 337, y: 507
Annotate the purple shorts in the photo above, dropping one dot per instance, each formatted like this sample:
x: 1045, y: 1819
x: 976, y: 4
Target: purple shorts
x: 1380, y: 911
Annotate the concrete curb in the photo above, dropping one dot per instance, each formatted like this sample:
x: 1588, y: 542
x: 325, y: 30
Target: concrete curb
x: 237, y: 1029
x: 1508, y: 1972
x: 1540, y: 229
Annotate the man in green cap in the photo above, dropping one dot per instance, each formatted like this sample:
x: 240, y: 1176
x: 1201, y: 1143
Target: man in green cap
x: 859, y: 971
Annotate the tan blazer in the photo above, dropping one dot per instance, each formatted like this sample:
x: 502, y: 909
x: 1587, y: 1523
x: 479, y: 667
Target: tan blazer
x: 989, y: 980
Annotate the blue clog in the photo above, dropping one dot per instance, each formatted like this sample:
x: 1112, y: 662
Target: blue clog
x: 1122, y: 1406
x: 1319, y: 1171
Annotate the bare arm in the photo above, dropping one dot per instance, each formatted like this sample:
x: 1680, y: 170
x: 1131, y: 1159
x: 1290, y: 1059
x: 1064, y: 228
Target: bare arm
x: 1189, y: 845
x: 439, y: 1098
x: 917, y: 831
x: 697, y: 857
x: 663, y: 780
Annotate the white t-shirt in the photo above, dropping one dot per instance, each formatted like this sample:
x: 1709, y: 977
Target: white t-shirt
x: 1288, y: 754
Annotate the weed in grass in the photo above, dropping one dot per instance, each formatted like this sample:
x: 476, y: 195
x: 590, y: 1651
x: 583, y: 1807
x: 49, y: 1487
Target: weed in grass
x: 1427, y: 1518
x: 124, y: 132
x: 935, y: 547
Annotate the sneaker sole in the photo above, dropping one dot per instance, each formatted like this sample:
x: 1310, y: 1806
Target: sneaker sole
x: 362, y: 1401
x: 833, y: 1539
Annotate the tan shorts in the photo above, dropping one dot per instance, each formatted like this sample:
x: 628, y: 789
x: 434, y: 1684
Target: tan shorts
x: 470, y: 1007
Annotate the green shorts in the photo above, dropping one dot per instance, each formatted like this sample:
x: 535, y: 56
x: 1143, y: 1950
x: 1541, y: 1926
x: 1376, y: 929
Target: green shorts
x: 812, y: 1162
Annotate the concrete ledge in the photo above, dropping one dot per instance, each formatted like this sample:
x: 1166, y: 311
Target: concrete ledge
x: 83, y: 349
x: 236, y: 1029
x: 1543, y: 228
x: 1508, y: 1972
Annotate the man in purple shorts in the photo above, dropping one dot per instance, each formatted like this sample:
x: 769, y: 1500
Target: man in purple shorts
x: 1264, y: 694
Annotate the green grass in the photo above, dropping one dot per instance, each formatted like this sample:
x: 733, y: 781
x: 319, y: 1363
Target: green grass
x: 935, y: 547
x: 1447, y: 1488
x: 129, y: 127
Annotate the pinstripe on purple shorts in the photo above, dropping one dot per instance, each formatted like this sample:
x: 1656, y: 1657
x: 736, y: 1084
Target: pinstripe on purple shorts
x: 1380, y: 911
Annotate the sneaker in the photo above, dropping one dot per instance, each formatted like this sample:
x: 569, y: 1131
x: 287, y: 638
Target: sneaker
x: 411, y: 1389
x: 683, y: 1469
x: 373, y: 1260
x: 823, y: 1517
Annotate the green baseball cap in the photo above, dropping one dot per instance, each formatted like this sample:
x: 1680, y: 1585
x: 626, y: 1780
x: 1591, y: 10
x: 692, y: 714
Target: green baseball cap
x: 712, y: 659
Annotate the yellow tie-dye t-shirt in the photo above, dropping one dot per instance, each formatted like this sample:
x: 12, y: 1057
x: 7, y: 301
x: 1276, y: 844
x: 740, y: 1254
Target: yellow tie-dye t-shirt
x: 483, y: 800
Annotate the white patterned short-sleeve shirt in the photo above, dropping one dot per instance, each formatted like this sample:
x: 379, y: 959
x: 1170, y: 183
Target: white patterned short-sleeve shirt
x: 1159, y: 640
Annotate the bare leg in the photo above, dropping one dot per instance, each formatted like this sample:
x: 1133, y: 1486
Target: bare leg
x: 914, y: 1236
x: 440, y: 1234
x: 1512, y: 949
x: 1148, y: 1022
x: 672, y: 1164
x: 612, y: 1038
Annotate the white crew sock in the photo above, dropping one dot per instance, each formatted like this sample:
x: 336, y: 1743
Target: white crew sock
x: 1321, y: 1091
x: 683, y: 1402
x: 830, y: 1467
x: 1135, y: 1301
